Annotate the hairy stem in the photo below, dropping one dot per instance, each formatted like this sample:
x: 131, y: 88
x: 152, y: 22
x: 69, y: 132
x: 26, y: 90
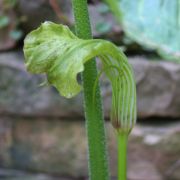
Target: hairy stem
x: 98, y: 163
x: 122, y: 156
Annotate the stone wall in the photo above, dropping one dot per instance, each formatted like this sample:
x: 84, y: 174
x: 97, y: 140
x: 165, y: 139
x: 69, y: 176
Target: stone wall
x: 58, y: 146
x: 158, y: 90
x: 41, y: 132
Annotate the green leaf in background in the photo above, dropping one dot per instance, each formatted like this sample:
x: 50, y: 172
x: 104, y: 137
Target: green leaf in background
x: 53, y: 49
x: 154, y: 24
x: 4, y: 21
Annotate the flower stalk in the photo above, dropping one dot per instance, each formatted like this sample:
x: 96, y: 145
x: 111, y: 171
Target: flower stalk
x: 98, y: 161
x: 122, y: 139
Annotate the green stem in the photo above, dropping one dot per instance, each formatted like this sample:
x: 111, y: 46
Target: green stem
x: 122, y: 156
x: 98, y: 163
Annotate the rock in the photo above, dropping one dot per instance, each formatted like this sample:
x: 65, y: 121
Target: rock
x: 21, y: 93
x: 170, y: 146
x: 49, y: 148
x: 165, y: 151
x: 58, y: 147
x: 158, y: 90
x: 40, y: 11
x: 5, y: 141
x: 143, y: 169
x: 12, y: 174
x: 158, y: 87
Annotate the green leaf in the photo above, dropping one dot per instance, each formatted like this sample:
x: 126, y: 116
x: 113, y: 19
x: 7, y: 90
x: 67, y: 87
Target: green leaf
x: 154, y: 24
x: 53, y: 49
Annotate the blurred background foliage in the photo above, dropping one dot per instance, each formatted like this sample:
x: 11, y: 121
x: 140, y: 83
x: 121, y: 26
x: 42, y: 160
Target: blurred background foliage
x: 143, y: 26
x: 154, y: 24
